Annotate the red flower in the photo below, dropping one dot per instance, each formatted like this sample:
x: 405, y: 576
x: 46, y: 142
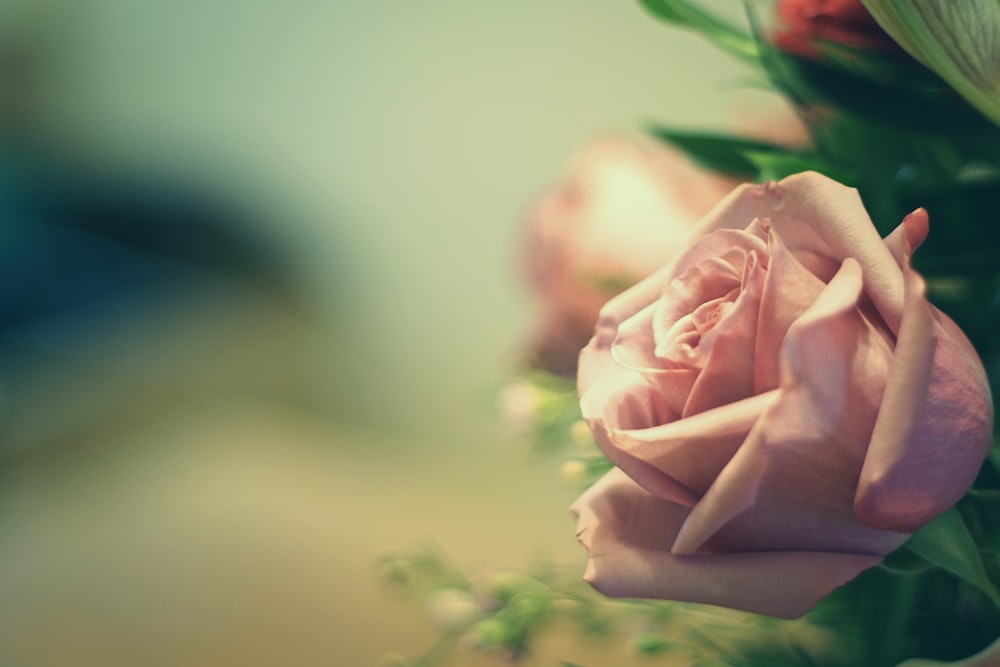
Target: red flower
x: 846, y: 22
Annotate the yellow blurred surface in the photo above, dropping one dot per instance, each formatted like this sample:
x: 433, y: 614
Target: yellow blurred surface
x: 211, y: 478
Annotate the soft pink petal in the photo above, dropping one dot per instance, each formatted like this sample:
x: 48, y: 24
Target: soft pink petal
x: 615, y: 311
x: 728, y: 349
x: 819, y: 220
x: 744, y: 204
x: 626, y: 407
x: 935, y: 424
x: 735, y: 417
x: 735, y: 211
x: 789, y: 290
x: 904, y: 240
x: 791, y: 484
x: 628, y: 533
x: 633, y: 343
x: 613, y: 398
x: 708, y: 269
x: 816, y: 214
x: 623, y: 399
x: 633, y: 350
x: 693, y: 451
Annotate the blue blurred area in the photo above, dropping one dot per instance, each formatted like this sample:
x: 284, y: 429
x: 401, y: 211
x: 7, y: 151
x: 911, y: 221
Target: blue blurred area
x: 79, y: 239
x: 121, y: 293
x: 73, y: 245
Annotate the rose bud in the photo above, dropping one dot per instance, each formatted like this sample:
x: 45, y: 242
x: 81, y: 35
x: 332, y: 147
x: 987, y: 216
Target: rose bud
x: 622, y: 209
x: 959, y: 41
x: 782, y: 403
x: 845, y: 22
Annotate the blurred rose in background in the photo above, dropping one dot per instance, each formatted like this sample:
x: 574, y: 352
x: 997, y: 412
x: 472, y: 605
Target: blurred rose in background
x: 624, y: 209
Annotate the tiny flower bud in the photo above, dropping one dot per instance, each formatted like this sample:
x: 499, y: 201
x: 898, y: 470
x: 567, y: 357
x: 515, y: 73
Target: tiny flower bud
x: 573, y: 472
x: 506, y: 584
x: 489, y: 633
x: 579, y: 433
x: 451, y: 608
x: 397, y: 572
x: 520, y: 402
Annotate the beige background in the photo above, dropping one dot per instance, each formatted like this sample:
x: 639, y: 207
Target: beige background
x: 213, y: 482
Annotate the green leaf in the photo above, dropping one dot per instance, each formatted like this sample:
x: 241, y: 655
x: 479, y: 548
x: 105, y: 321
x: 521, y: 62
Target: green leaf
x: 956, y: 40
x: 905, y: 562
x: 686, y: 14
x: 651, y: 644
x: 773, y: 165
x: 947, y: 543
x: 721, y: 153
x: 981, y: 510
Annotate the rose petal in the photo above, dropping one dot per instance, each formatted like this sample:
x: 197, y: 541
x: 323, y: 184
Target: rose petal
x: 820, y: 215
x: 633, y: 344
x: 708, y: 269
x: 632, y: 349
x: 736, y: 417
x: 693, y: 451
x: 626, y: 408
x: 818, y: 219
x: 728, y: 372
x: 791, y: 485
x: 735, y: 211
x: 789, y: 290
x: 627, y: 533
x: 934, y: 426
x: 624, y: 399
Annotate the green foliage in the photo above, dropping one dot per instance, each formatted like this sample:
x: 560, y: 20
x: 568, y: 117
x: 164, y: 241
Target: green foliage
x: 556, y: 428
x: 882, y: 123
x: 947, y: 543
x: 652, y: 644
x: 690, y: 15
x: 516, y: 608
x: 724, y: 154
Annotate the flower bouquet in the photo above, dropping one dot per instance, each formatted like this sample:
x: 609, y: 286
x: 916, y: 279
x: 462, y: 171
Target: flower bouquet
x: 768, y: 361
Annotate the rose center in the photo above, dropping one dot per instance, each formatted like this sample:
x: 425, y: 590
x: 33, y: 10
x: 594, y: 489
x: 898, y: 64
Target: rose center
x: 690, y: 338
x: 697, y: 304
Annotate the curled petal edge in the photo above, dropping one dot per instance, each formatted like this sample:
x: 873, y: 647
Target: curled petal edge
x: 614, y: 518
x: 889, y: 495
x: 736, y: 487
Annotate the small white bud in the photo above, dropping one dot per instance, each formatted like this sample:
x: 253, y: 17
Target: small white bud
x: 580, y: 434
x: 452, y: 607
x: 520, y: 403
x: 574, y: 472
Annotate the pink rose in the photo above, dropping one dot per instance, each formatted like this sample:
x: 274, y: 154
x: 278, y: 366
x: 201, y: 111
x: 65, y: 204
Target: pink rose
x: 624, y: 208
x: 783, y: 405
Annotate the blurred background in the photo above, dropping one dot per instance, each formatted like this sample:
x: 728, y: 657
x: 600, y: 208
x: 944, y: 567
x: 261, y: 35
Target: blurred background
x: 260, y: 286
